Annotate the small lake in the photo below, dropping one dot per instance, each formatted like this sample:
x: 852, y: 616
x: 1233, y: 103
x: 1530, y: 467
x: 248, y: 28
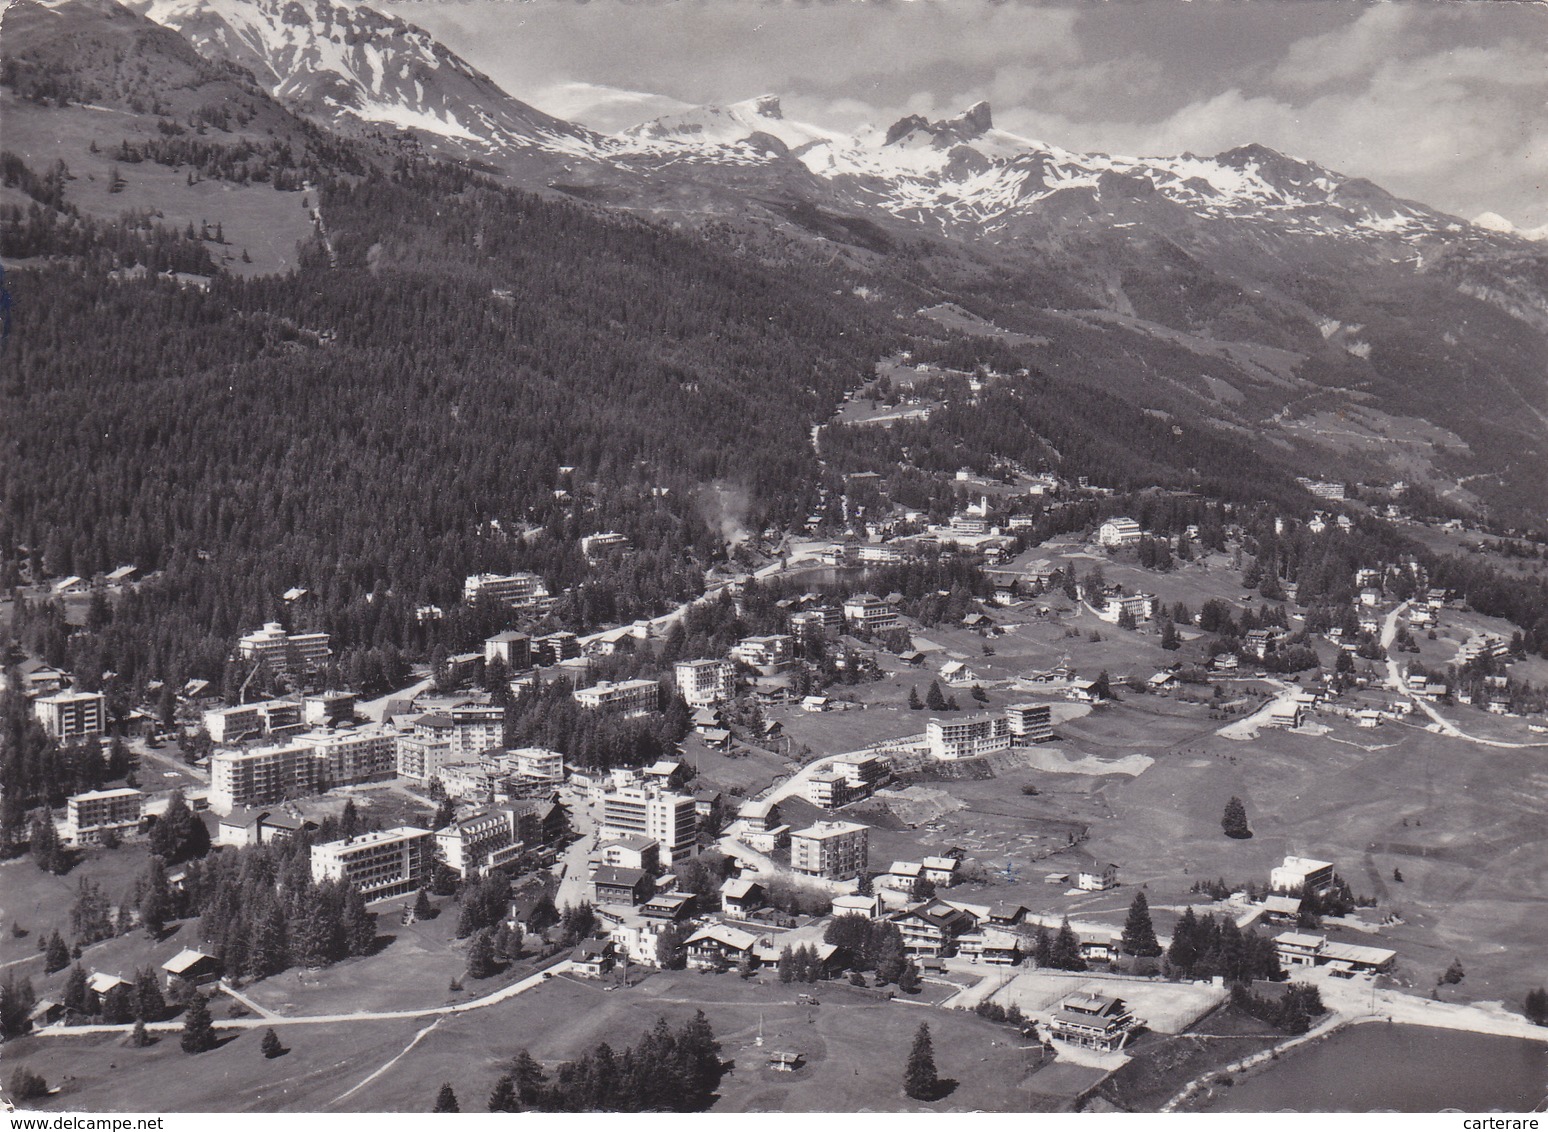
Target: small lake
x: 1378, y: 1066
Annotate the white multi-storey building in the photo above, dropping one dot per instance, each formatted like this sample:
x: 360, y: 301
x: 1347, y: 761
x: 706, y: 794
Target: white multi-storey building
x: 354, y: 754
x: 704, y: 682
x: 869, y: 612
x: 771, y: 652
x: 667, y: 818
x: 72, y: 717
x: 512, y: 589
x: 281, y: 650
x: 836, y: 850
x: 267, y: 717
x: 1121, y: 531
x: 1030, y: 723
x: 88, y: 816
x: 391, y: 862
x: 627, y: 697
x: 967, y: 736
x: 533, y: 764
x: 473, y: 845
x: 262, y: 776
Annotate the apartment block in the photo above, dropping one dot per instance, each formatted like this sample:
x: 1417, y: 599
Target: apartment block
x: 72, y: 717
x: 354, y: 754
x: 249, y: 721
x: 870, y: 613
x: 968, y: 736
x: 533, y: 764
x: 421, y: 758
x: 1030, y: 723
x: 263, y: 776
x: 283, y: 651
x: 669, y: 819
x: 704, y: 682
x: 771, y: 652
x: 392, y: 862
x: 835, y: 850
x: 512, y: 589
x: 628, y: 697
x: 89, y: 816
x: 475, y: 844
x: 328, y: 708
x: 512, y: 649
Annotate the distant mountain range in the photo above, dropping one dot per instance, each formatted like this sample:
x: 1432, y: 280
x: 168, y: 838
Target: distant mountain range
x: 1365, y: 334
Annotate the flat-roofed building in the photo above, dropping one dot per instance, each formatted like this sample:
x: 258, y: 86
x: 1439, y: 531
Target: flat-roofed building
x: 828, y: 788
x: 512, y: 589
x: 627, y: 697
x: 835, y: 850
x: 250, y: 721
x: 88, y: 816
x: 668, y: 818
x: 354, y: 754
x: 328, y: 708
x: 863, y: 773
x: 1030, y: 723
x: 421, y: 757
x: 704, y: 682
x: 72, y: 717
x: 533, y: 764
x: 552, y: 648
x: 390, y: 862
x: 262, y: 776
x: 1301, y: 874
x: 477, y: 728
x: 869, y: 613
x: 771, y: 652
x: 968, y: 736
x: 284, y: 651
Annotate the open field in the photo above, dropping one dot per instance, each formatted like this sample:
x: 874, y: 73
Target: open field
x: 40, y: 902
x: 102, y: 1073
x: 255, y: 218
x: 854, y: 1043
x: 751, y: 769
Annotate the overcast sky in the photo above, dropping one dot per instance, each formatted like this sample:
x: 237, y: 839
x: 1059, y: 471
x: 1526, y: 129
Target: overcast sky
x: 1443, y: 101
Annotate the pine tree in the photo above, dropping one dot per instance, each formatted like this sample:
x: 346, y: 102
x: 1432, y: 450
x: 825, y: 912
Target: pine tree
x: 503, y: 1096
x: 47, y: 853
x: 446, y: 1100
x: 481, y: 961
x: 919, y: 1077
x: 1233, y: 821
x: 908, y: 981
x: 149, y: 1003
x: 529, y: 1078
x: 786, y: 965
x: 1537, y: 1006
x: 423, y: 909
x: 1042, y: 947
x: 1139, y: 934
x: 74, y: 996
x: 138, y: 1038
x: 271, y: 1045
x: 914, y: 702
x: 935, y: 700
x: 56, y: 956
x: 198, y: 1029
x: 1066, y: 949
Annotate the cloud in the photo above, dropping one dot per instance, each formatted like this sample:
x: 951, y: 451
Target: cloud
x: 604, y: 108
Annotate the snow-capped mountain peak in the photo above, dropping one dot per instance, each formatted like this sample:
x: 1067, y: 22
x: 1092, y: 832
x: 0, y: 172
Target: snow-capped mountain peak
x: 342, y: 62
x: 725, y: 126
